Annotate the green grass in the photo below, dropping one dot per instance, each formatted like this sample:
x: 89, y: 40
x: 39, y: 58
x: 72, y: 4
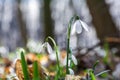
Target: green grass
x: 36, y: 71
x: 24, y: 67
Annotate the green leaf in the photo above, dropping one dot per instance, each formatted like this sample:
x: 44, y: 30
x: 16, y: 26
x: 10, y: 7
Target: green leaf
x: 92, y: 76
x: 24, y: 67
x: 94, y: 66
x: 36, y: 71
x: 102, y: 72
x: 106, y: 58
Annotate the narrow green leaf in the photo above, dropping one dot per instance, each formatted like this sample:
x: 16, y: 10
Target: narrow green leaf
x: 102, y: 72
x: 92, y: 76
x: 36, y: 71
x: 24, y: 67
x: 106, y: 58
x: 95, y: 64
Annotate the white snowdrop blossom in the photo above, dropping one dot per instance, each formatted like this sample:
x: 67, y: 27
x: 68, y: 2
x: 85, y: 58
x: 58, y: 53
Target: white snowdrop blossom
x: 31, y: 45
x: 18, y: 54
x: 69, y: 61
x: 39, y: 50
x: 74, y: 59
x: 52, y: 56
x: 49, y: 48
x: 71, y: 71
x: 64, y: 62
x: 78, y: 26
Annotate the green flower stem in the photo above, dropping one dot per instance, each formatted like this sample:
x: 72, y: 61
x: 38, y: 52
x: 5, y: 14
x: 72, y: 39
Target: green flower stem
x: 92, y: 75
x: 68, y: 47
x: 68, y: 41
x: 56, y: 49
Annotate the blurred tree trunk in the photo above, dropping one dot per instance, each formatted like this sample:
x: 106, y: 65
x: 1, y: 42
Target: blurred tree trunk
x: 102, y: 20
x: 47, y: 19
x: 21, y: 24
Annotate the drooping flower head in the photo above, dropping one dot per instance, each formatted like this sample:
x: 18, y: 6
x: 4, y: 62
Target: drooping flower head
x: 48, y: 47
x: 78, y: 26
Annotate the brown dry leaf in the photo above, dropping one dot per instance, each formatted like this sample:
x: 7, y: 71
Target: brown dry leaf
x: 18, y: 70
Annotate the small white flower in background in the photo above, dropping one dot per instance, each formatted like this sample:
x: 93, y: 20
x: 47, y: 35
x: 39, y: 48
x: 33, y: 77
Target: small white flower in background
x: 4, y: 51
x: 71, y: 71
x: 39, y: 50
x: 18, y: 54
x: 19, y: 51
x: 32, y: 45
x: 78, y: 26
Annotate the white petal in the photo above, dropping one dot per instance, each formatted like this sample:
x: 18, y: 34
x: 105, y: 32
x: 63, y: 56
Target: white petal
x: 40, y: 48
x: 69, y: 63
x: 71, y: 71
x: 73, y: 29
x: 64, y: 61
x: 84, y: 25
x: 78, y: 27
x: 49, y: 48
x: 52, y: 57
x: 74, y: 59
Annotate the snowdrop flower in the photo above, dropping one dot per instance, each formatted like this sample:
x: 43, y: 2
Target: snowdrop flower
x: 78, y: 26
x: 69, y: 61
x: 32, y: 45
x: 4, y: 51
x: 71, y: 71
x: 74, y: 59
x: 52, y: 56
x: 49, y: 48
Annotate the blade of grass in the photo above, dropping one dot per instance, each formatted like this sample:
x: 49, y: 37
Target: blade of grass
x: 35, y: 71
x: 105, y: 59
x: 24, y: 67
x: 102, y: 72
x: 92, y: 76
x: 94, y: 66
